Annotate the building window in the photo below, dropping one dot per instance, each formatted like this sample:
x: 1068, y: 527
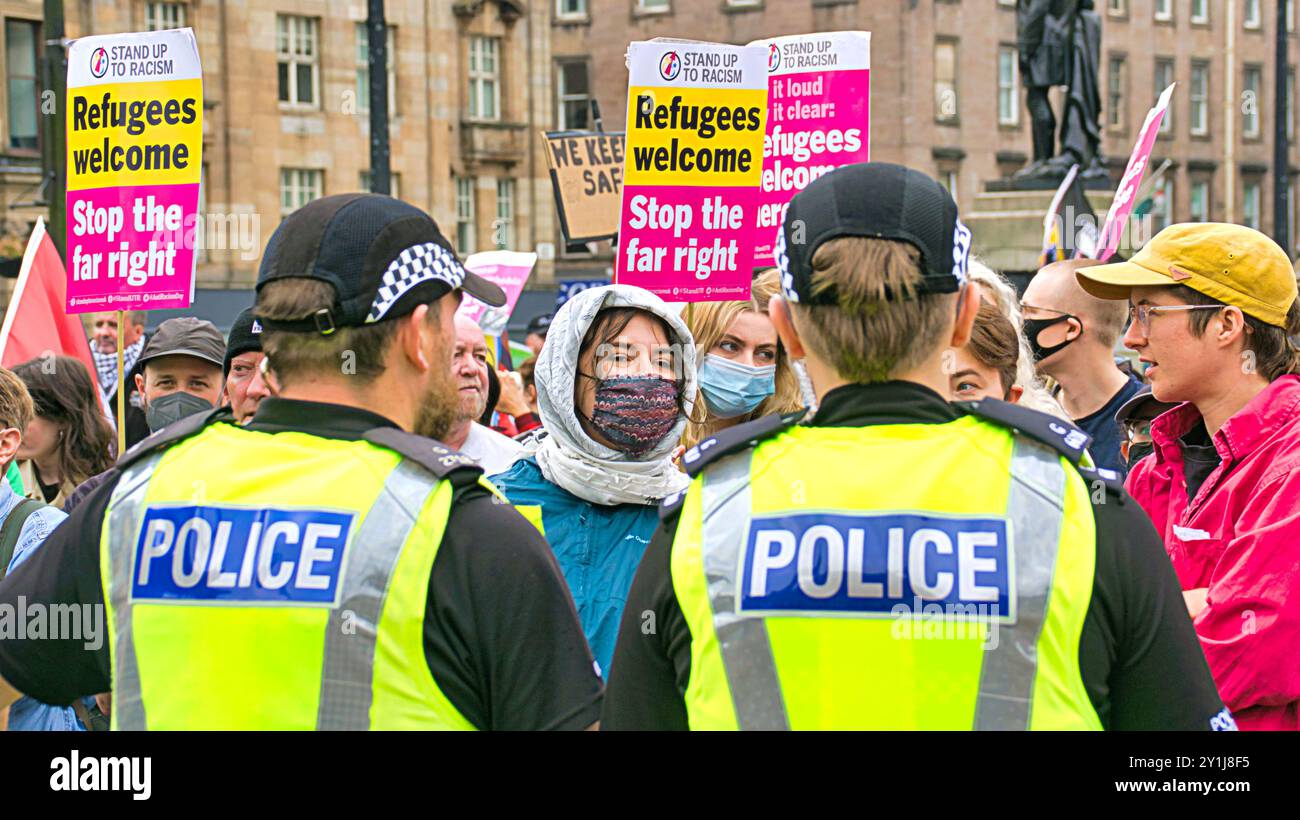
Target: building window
x: 573, y: 93
x: 946, y: 107
x: 1290, y: 15
x: 1162, y: 204
x: 1116, y: 79
x: 1250, y: 205
x: 162, y: 16
x: 1164, y: 78
x: 465, y: 242
x: 394, y: 184
x: 1118, y: 8
x: 1250, y: 102
x: 298, y: 56
x: 1008, y: 86
x: 1200, y: 95
x: 22, y: 50
x: 363, y: 68
x: 1200, y: 11
x: 1252, y: 14
x: 298, y: 186
x: 484, y: 78
x: 1164, y: 9
x: 948, y: 178
x: 570, y: 8
x: 653, y: 5
x: 1200, y: 202
x: 503, y: 229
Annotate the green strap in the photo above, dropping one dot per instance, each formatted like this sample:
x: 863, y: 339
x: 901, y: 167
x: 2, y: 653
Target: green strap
x: 12, y: 528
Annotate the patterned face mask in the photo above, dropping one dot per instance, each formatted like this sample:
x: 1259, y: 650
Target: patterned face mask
x: 634, y: 412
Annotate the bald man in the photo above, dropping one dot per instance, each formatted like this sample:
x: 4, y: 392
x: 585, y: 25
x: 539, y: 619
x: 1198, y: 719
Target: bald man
x: 1072, y: 336
x: 469, y: 367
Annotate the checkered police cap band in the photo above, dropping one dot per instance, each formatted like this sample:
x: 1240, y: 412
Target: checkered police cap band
x: 416, y: 265
x: 873, y: 200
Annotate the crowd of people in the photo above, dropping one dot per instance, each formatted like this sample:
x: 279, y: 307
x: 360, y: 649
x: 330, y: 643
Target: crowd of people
x: 676, y: 516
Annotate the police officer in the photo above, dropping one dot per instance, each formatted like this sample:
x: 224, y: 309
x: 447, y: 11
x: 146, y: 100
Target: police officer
x: 328, y: 565
x: 896, y: 561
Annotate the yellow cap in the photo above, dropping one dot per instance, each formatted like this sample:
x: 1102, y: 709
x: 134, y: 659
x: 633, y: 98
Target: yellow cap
x: 1229, y: 263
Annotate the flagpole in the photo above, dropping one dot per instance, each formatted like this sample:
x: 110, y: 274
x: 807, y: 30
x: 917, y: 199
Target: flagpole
x: 121, y: 385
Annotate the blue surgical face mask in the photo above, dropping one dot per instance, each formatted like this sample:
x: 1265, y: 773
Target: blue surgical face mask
x: 733, y: 389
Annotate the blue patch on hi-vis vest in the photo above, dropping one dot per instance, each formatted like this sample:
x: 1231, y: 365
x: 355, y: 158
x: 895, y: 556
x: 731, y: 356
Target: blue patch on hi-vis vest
x: 877, y: 565
x: 240, y: 555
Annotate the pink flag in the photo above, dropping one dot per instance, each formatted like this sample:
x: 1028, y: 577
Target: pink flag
x: 1123, y: 203
x: 35, y: 324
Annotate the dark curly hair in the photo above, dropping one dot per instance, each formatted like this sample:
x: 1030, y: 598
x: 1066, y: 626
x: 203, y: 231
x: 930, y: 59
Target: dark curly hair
x: 64, y: 393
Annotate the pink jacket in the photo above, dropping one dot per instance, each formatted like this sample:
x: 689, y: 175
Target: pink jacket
x: 1240, y: 537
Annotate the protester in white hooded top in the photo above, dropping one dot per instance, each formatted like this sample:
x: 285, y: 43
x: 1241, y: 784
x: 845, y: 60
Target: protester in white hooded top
x: 469, y: 366
x: 615, y: 383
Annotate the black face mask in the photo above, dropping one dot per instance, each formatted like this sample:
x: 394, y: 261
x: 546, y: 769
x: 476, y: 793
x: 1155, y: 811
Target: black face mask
x: 1139, y: 451
x: 1035, y: 326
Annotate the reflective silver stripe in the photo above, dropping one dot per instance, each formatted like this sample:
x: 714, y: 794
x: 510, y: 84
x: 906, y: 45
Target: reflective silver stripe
x: 1036, y: 508
x: 347, y: 671
x: 124, y: 520
x: 746, y: 650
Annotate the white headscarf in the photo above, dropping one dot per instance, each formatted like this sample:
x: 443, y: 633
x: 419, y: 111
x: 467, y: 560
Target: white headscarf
x: 568, y: 456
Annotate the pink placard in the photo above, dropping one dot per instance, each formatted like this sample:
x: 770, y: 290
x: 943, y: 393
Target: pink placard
x: 818, y: 119
x: 510, y: 271
x: 131, y: 247
x: 1125, y: 195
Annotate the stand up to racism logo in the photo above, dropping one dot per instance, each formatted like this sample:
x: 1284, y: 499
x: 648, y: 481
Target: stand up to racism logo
x: 99, y: 62
x: 773, y: 57
x: 670, y: 65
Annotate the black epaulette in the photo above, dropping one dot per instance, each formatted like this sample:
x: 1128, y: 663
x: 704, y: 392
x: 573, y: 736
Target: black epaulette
x: 735, y: 439
x: 1061, y: 436
x: 1113, y: 481
x: 442, y: 461
x: 172, y: 434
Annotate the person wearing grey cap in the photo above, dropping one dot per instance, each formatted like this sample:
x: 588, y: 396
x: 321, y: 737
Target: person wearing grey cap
x: 180, y: 371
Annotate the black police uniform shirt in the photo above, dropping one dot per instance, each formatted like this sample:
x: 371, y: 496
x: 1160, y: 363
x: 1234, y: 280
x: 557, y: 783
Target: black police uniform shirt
x: 501, y: 635
x: 1105, y: 431
x: 1141, y: 663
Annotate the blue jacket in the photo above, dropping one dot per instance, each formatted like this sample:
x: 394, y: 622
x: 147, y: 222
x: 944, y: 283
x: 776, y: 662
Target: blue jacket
x: 26, y: 713
x: 598, y: 548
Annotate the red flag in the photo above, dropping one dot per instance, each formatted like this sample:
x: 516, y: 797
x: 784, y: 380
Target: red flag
x: 35, y: 324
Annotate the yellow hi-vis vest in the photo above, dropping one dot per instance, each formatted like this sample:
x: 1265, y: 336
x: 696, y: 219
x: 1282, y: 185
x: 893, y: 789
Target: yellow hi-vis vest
x: 909, y: 576
x: 276, y: 581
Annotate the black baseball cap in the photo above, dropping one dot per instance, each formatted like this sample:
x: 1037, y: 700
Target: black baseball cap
x: 877, y: 200
x: 185, y: 336
x: 540, y: 324
x: 1144, y: 405
x: 245, y: 337
x: 383, y: 256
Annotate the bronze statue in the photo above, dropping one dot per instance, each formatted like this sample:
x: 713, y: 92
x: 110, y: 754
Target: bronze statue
x: 1060, y: 44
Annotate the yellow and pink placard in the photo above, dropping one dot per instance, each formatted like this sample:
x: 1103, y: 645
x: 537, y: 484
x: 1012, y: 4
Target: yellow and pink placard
x: 135, y: 159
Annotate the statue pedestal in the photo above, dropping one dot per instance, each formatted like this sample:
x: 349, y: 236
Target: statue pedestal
x: 1007, y: 223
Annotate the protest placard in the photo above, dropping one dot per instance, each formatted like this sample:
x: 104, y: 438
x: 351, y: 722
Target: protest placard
x: 696, y: 117
x: 818, y: 118
x: 587, y: 175
x: 135, y: 143
x: 569, y: 288
x: 508, y: 269
x: 1126, y: 194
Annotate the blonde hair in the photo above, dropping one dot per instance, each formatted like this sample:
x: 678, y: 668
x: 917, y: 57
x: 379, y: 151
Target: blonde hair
x: 708, y: 322
x: 880, y: 325
x: 999, y: 289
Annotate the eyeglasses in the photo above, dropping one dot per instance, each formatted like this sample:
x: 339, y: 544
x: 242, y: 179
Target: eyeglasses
x: 1142, y: 313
